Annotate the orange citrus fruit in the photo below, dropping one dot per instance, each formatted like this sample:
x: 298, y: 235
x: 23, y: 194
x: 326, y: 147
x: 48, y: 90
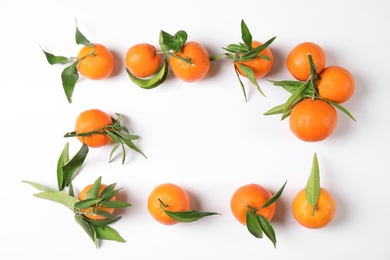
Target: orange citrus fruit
x: 142, y: 60
x: 174, y: 197
x: 260, y: 67
x: 298, y: 61
x: 95, y: 62
x: 91, y: 212
x: 93, y: 120
x: 336, y: 84
x: 198, y: 56
x: 313, y: 120
x: 254, y: 196
x: 324, y: 211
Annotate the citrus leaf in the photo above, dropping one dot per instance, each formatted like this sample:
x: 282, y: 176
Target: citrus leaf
x: 268, y: 229
x: 313, y: 183
x: 275, y: 110
x: 71, y: 168
x: 250, y: 55
x: 169, y: 42
x: 153, y: 82
x: 295, y: 97
x: 62, y: 160
x: 275, y: 197
x: 188, y: 216
x: 38, y: 186
x: 236, y: 48
x: 94, y: 190
x: 115, y: 204
x: 102, y: 222
x: 251, y: 76
x: 289, y: 85
x: 253, y: 224
x: 87, y: 203
x: 180, y: 38
x: 69, y: 76
x: 108, y: 233
x: 59, y: 197
x: 343, y: 109
x: 113, y: 151
x: 246, y: 36
x: 88, y: 228
x: 52, y: 59
x: 131, y: 145
x: 81, y: 39
x: 241, y: 84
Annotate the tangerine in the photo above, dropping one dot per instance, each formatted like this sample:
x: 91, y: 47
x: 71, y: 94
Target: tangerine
x: 95, y: 62
x: 91, y: 212
x: 197, y: 55
x: 260, y: 66
x: 93, y: 120
x: 298, y: 62
x: 322, y: 214
x: 313, y: 120
x: 174, y: 198
x: 336, y: 84
x: 142, y: 60
x: 253, y: 196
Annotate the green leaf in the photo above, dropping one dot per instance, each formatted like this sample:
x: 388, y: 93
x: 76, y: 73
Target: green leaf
x: 153, y: 82
x: 115, y: 204
x: 268, y: 229
x: 59, y: 197
x: 88, y: 228
x: 180, y: 38
x: 175, y: 42
x: 246, y: 35
x: 52, y: 59
x: 102, y: 222
x: 251, y: 76
x: 62, y: 160
x: 113, y: 151
x: 254, y: 52
x: 289, y: 85
x: 108, y: 192
x: 236, y: 48
x: 81, y: 39
x: 71, y: 168
x: 188, y: 216
x: 108, y: 233
x: 87, y: 203
x: 343, y: 109
x: 131, y: 145
x: 241, y: 84
x: 94, y: 190
x: 295, y: 97
x: 38, y: 186
x: 253, y: 224
x: 313, y: 183
x: 275, y: 110
x: 275, y: 197
x: 70, y: 76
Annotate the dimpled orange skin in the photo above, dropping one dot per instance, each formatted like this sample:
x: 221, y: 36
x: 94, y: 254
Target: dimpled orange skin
x: 172, y: 195
x: 255, y: 196
x: 298, y: 61
x: 259, y: 66
x: 303, y: 211
x: 87, y: 212
x: 336, y: 84
x: 313, y: 120
x: 198, y: 56
x: 142, y: 60
x: 96, y: 63
x: 91, y: 120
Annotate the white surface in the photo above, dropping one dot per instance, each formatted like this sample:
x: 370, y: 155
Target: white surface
x: 202, y: 136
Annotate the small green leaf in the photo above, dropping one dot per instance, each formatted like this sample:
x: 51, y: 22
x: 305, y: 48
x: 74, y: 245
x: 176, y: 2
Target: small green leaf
x: 59, y: 197
x: 87, y: 203
x: 251, y: 76
x: 153, y: 82
x: 115, y: 204
x: 188, y: 216
x: 62, y: 160
x: 343, y: 109
x: 88, y: 228
x: 112, y: 152
x: 313, y: 183
x: 52, y: 59
x: 241, y: 84
x: 253, y: 224
x: 108, y: 233
x: 275, y: 197
x: 70, y: 76
x: 102, y: 222
x: 180, y: 38
x: 131, y: 145
x: 81, y: 39
x: 38, y: 186
x: 71, y: 168
x: 268, y: 229
x: 275, y: 110
x: 108, y: 192
x: 169, y: 42
x: 254, y: 52
x: 289, y: 85
x: 295, y: 97
x: 94, y: 190
x: 246, y: 35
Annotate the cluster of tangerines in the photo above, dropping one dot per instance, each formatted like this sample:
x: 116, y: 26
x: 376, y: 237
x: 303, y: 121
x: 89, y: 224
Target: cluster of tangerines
x: 311, y: 108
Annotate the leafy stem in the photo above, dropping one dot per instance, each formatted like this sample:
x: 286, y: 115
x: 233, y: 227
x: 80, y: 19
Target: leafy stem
x: 257, y: 224
x: 118, y: 134
x: 172, y: 44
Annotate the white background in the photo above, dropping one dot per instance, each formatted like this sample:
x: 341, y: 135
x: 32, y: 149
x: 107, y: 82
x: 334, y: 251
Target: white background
x: 202, y: 136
